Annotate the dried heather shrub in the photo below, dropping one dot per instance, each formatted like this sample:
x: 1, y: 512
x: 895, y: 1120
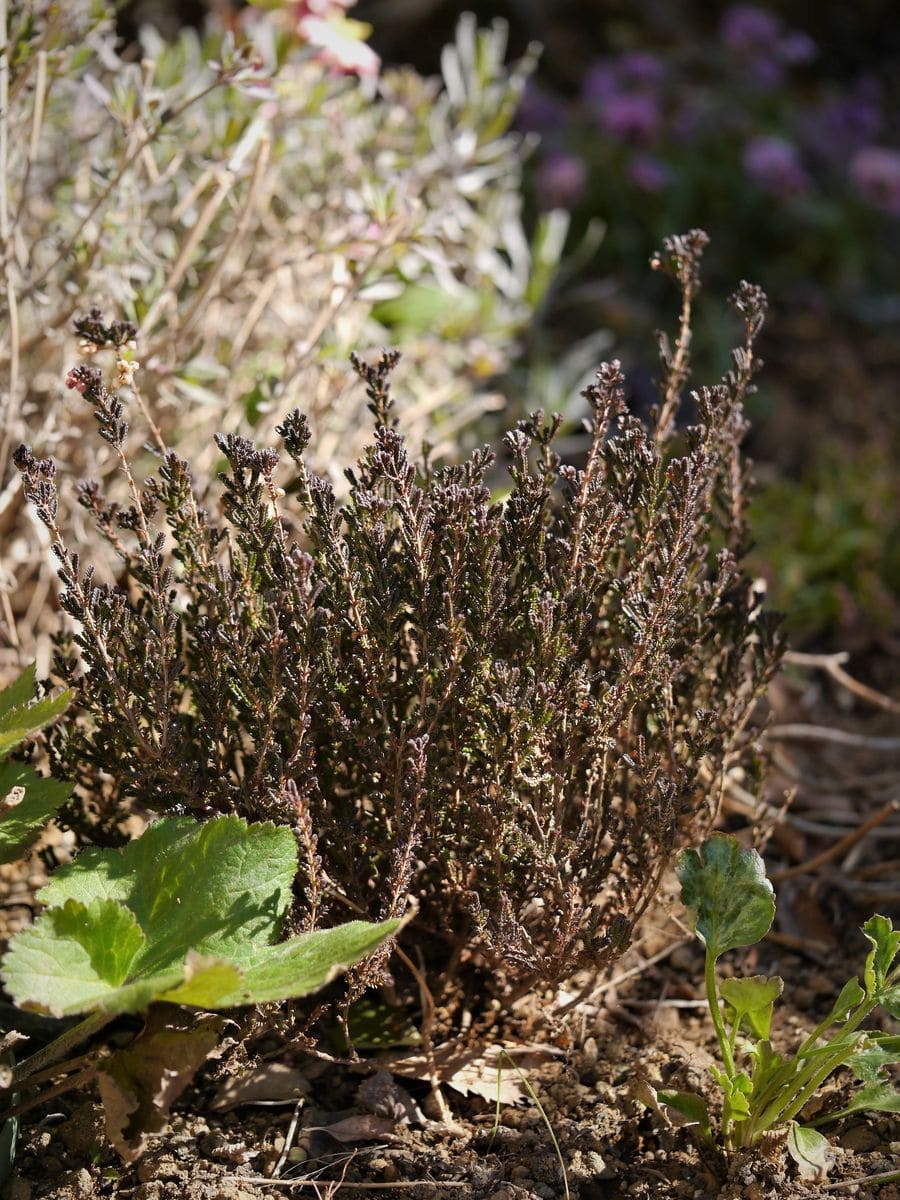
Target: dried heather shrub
x: 511, y: 709
x: 255, y: 219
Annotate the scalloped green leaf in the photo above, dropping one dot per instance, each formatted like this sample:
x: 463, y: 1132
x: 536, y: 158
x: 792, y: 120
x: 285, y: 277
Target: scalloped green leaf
x: 725, y: 889
x: 186, y: 913
x: 210, y: 887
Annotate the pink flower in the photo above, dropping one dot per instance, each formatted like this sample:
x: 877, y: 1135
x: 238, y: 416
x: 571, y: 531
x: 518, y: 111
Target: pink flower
x: 876, y: 172
x: 340, y: 42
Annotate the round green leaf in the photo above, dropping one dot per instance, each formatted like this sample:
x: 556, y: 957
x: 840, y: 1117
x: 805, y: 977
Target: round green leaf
x: 731, y: 903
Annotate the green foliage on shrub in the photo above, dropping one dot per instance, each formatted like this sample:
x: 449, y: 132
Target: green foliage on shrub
x: 511, y: 710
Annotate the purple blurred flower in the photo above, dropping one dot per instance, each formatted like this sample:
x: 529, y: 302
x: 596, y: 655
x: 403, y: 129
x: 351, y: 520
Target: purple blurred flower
x: 758, y: 37
x: 600, y: 82
x: 539, y: 112
x: 631, y: 118
x: 876, y: 172
x: 561, y: 180
x: 765, y: 71
x: 797, y: 48
x: 745, y: 27
x: 773, y: 163
x: 845, y: 123
x: 648, y: 173
x: 642, y: 68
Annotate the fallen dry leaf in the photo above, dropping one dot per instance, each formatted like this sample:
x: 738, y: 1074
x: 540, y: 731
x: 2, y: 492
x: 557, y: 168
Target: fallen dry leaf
x: 138, y: 1085
x: 382, y: 1095
x: 363, y: 1127
x: 480, y: 1071
x: 272, y: 1083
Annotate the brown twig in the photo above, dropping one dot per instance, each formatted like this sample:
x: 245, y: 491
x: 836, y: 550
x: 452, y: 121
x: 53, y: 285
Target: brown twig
x: 831, y: 665
x: 861, y: 1181
x: 69, y: 1084
x: 839, y: 847
x: 318, y: 1183
x: 427, y: 1026
x: 592, y: 993
x: 837, y: 737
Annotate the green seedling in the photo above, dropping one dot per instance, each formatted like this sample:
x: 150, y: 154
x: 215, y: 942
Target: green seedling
x: 27, y: 802
x: 731, y: 903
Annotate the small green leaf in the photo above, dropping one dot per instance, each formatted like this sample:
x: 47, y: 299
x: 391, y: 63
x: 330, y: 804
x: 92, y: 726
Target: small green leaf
x: 22, y: 823
x: 727, y: 894
x: 767, y: 1064
x: 19, y: 692
x: 422, y: 306
x: 878, y: 1096
x: 374, y: 1024
x: 751, y: 999
x: 107, y: 932
x: 24, y: 721
x: 810, y: 1151
x: 690, y: 1105
x: 737, y: 1092
x: 851, y: 994
x: 885, y: 941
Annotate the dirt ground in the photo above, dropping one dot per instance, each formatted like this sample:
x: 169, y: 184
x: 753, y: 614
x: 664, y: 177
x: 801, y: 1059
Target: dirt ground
x: 289, y: 1123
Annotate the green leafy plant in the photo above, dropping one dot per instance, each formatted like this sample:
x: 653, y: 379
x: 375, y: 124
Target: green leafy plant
x: 27, y: 802
x: 186, y: 914
x: 731, y: 904
x: 512, y: 710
